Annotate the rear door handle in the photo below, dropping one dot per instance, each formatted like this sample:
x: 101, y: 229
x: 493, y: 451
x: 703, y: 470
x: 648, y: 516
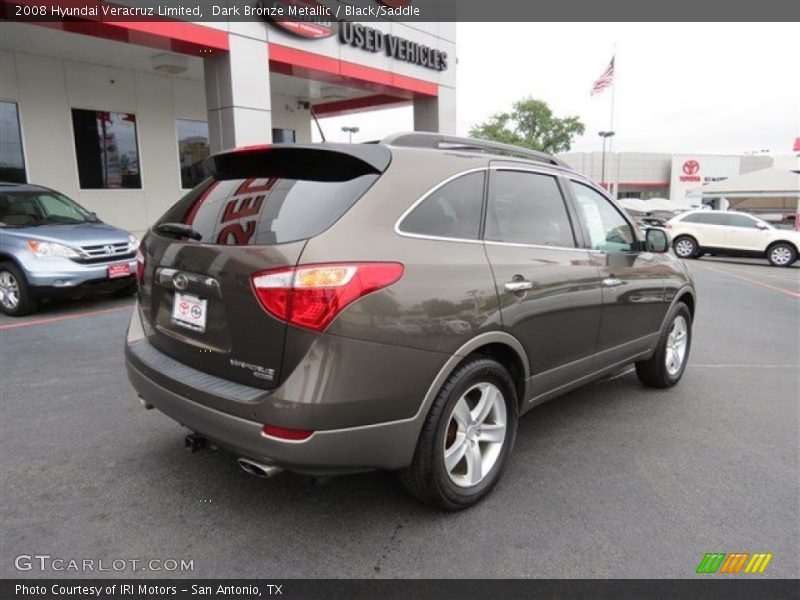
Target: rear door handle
x: 518, y: 286
x: 612, y: 282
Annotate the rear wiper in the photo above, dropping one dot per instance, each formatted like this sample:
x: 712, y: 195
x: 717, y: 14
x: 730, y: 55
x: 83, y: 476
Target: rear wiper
x: 178, y: 230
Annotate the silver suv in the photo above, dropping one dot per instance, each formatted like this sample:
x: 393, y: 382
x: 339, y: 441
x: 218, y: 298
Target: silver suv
x: 50, y: 245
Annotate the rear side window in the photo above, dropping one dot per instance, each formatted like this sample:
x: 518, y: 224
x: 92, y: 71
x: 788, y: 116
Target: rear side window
x: 527, y: 208
x: 695, y: 218
x: 716, y: 219
x: 451, y: 211
x: 268, y: 208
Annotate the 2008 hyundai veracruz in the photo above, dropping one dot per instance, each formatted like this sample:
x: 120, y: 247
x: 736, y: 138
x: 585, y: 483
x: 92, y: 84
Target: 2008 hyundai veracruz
x: 332, y: 308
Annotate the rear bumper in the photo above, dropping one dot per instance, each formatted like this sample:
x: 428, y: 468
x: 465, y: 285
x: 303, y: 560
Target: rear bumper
x: 351, y: 429
x: 380, y: 446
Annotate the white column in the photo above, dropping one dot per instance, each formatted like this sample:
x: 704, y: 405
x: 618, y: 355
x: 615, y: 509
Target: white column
x: 436, y: 114
x: 238, y: 94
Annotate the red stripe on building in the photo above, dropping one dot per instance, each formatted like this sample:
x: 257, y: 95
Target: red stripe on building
x: 354, y: 105
x: 653, y: 184
x: 300, y: 63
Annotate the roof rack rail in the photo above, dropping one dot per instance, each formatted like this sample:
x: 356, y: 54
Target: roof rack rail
x: 439, y: 141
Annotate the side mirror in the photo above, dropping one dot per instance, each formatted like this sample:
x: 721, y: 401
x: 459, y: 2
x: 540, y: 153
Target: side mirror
x: 656, y: 240
x: 761, y: 226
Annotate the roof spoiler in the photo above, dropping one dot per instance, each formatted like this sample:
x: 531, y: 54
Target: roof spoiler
x: 321, y: 162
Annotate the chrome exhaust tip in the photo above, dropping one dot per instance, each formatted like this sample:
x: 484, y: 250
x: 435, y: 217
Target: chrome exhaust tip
x: 145, y: 403
x: 258, y: 469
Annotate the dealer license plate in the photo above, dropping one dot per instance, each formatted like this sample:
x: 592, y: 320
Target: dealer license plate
x: 121, y: 270
x: 190, y: 312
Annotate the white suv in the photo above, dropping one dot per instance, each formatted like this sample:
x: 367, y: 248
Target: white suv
x: 699, y: 232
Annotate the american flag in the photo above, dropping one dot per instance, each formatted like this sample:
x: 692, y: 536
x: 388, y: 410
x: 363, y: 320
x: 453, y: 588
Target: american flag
x: 606, y: 79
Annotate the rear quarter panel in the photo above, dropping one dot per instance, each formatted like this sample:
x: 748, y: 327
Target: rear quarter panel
x: 446, y: 295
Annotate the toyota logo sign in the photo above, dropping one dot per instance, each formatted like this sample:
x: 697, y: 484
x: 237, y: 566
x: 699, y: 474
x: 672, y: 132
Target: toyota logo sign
x: 691, y: 167
x: 304, y: 18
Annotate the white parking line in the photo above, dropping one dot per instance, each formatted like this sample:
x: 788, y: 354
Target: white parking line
x: 753, y: 281
x: 66, y: 317
x: 740, y: 366
x: 794, y: 274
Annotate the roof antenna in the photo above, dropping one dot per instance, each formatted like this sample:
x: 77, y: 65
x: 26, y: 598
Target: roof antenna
x: 307, y: 105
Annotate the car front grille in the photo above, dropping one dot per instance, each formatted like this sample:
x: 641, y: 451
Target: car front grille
x: 100, y: 253
x: 106, y: 258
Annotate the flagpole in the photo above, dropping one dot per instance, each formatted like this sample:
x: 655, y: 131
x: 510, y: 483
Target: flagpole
x: 611, y: 124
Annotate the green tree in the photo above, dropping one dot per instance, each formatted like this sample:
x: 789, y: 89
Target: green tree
x: 531, y: 124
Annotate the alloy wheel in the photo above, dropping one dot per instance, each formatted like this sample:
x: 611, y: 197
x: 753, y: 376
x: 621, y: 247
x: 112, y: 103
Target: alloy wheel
x: 9, y: 290
x: 684, y: 248
x: 781, y: 255
x: 475, y: 435
x: 677, y: 342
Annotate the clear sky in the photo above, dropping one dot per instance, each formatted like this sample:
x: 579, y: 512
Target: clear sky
x: 711, y: 87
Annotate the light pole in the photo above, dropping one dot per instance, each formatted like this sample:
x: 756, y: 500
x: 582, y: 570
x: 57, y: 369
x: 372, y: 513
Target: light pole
x: 605, y: 135
x: 350, y: 131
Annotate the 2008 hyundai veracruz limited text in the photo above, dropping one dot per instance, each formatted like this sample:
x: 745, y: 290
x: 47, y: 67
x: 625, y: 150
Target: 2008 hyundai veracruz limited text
x: 336, y: 308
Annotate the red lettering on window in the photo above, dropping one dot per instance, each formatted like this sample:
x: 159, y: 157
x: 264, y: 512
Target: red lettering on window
x: 247, y: 186
x: 248, y: 207
x: 236, y: 235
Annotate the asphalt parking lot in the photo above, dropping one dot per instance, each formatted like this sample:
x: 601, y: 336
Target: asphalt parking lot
x: 613, y: 480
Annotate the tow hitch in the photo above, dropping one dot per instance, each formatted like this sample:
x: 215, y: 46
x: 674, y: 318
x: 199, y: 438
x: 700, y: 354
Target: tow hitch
x: 194, y: 442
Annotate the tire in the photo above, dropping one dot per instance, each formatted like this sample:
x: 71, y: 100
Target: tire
x: 781, y: 254
x: 685, y: 246
x: 428, y: 477
x: 16, y: 297
x: 656, y: 371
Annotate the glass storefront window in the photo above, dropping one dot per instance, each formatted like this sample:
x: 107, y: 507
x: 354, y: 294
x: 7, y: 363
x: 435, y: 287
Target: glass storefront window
x: 12, y: 159
x: 193, y: 149
x: 107, y: 149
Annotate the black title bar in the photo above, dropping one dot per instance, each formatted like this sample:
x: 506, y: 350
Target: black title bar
x: 393, y: 589
x: 402, y: 10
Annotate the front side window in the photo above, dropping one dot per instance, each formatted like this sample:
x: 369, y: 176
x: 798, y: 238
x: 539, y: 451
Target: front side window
x: 31, y: 209
x: 608, y: 229
x: 106, y: 149
x: 527, y: 208
x: 451, y: 211
x: 193, y: 149
x: 12, y: 159
x: 742, y: 221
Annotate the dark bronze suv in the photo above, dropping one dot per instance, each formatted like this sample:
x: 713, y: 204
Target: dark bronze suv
x: 399, y: 305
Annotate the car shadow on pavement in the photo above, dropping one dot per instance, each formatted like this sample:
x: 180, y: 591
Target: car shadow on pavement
x: 214, y: 474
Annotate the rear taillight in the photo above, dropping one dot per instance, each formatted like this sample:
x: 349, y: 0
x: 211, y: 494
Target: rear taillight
x: 139, y: 265
x: 668, y: 226
x: 310, y: 296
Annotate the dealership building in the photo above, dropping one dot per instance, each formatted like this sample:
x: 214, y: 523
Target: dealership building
x: 120, y: 115
x: 677, y: 177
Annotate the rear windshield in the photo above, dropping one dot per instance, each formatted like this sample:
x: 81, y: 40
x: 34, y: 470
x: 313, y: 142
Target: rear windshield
x: 267, y: 210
